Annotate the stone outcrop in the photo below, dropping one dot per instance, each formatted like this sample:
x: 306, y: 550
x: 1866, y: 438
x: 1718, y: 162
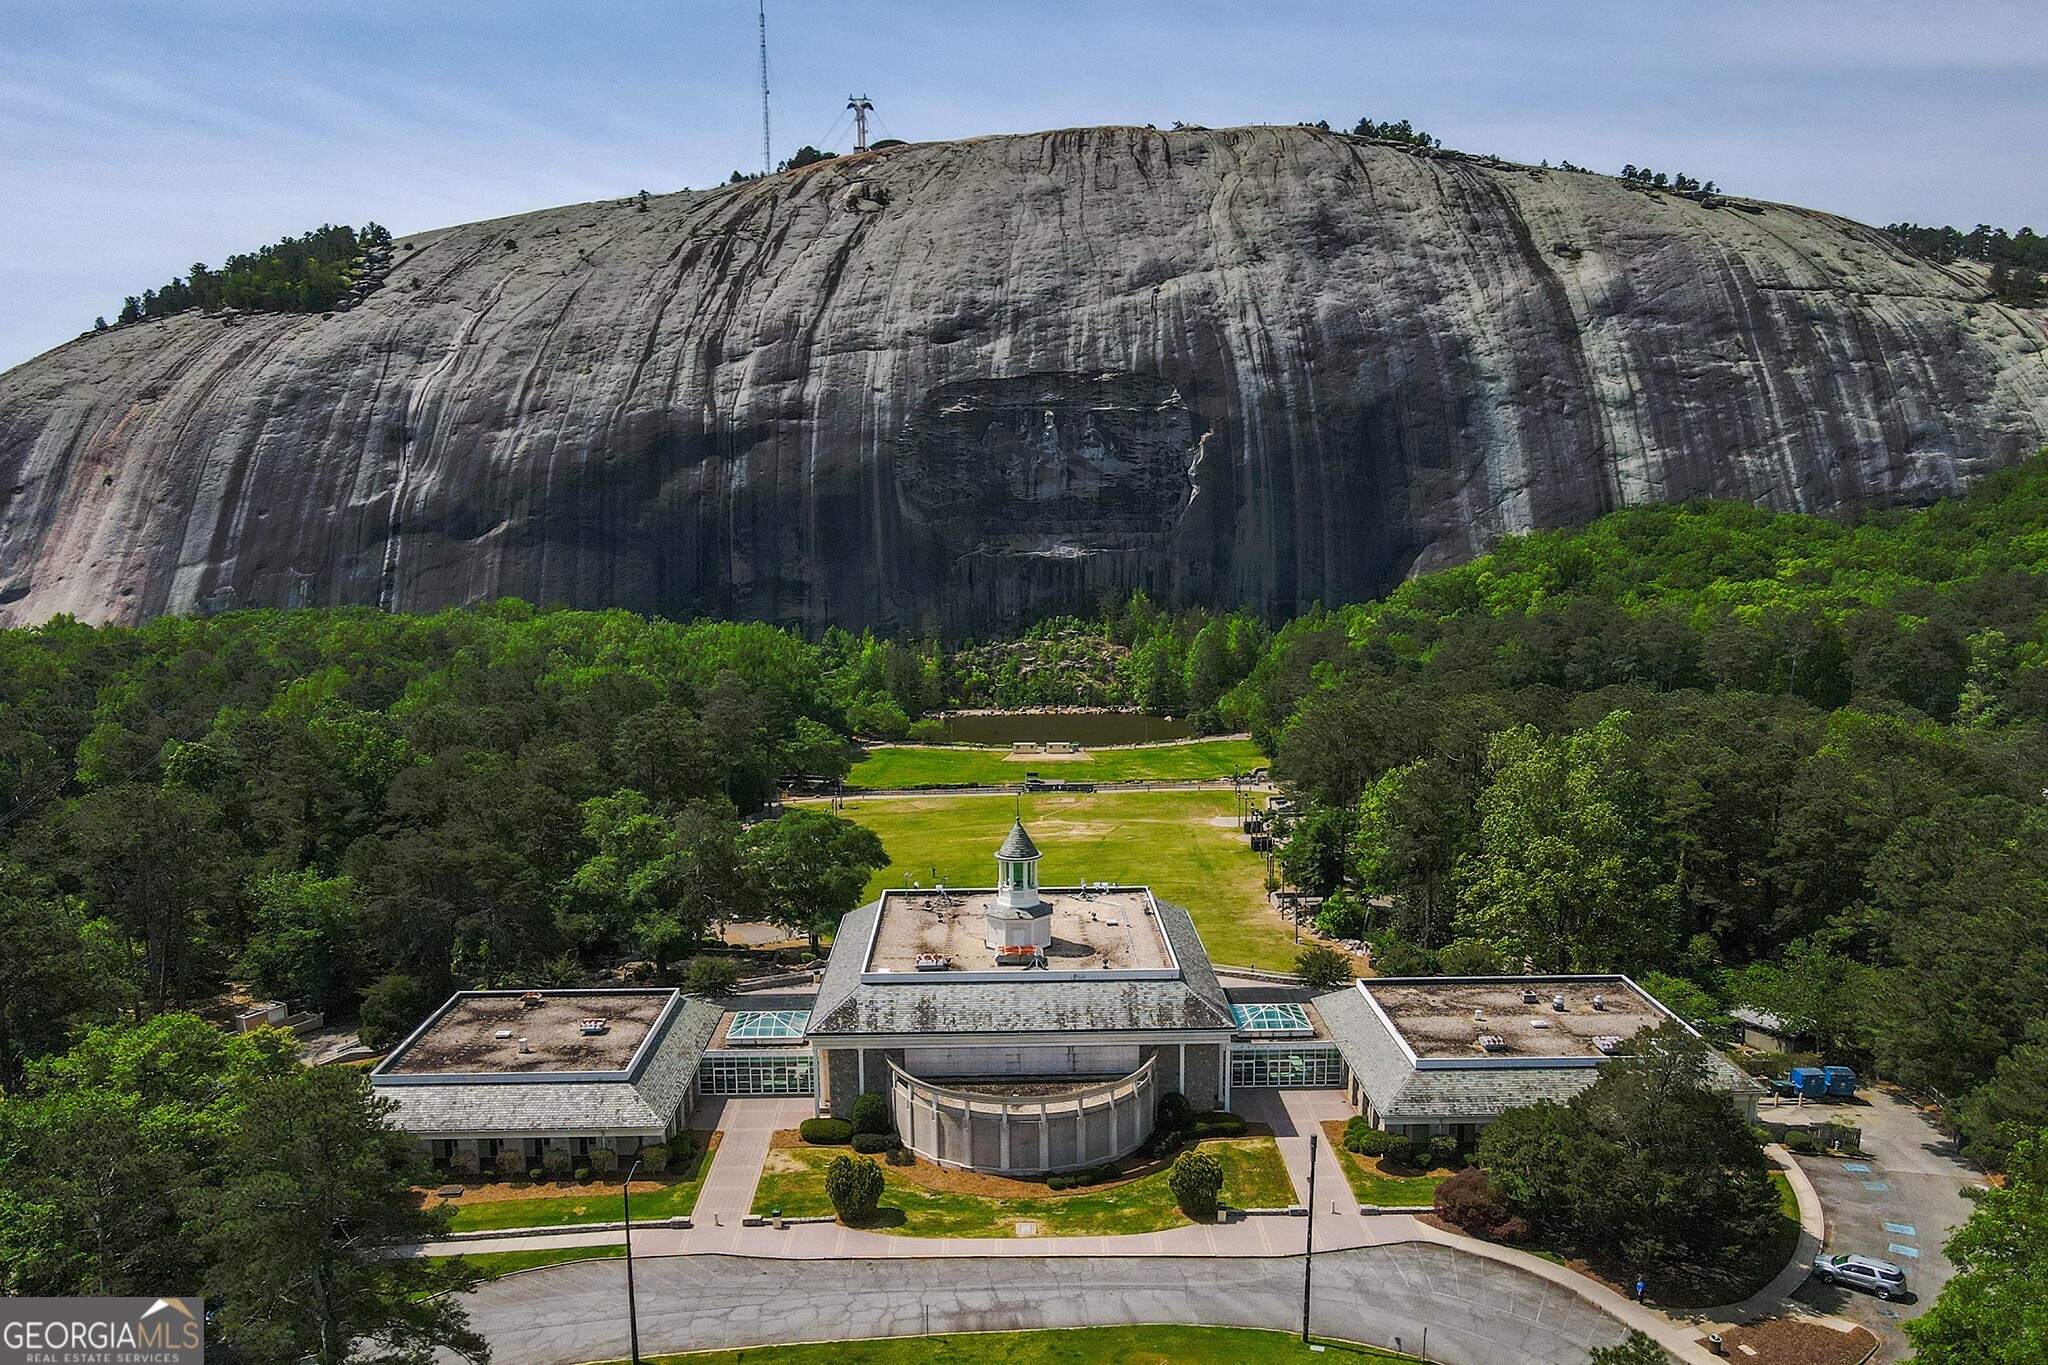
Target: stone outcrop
x: 951, y: 384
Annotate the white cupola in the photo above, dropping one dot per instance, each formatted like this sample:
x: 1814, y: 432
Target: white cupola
x: 1017, y: 918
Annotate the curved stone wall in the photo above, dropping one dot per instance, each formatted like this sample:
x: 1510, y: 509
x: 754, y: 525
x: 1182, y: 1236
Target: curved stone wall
x: 985, y: 1132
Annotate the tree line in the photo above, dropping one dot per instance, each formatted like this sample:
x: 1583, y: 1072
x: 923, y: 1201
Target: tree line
x: 1780, y: 761
x: 358, y: 812
x: 309, y: 273
x: 2018, y: 260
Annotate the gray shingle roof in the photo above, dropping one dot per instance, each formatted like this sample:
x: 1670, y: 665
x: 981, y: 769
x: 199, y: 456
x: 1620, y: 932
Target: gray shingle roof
x: 1402, y: 1093
x: 1019, y: 844
x: 535, y: 1106
x: 932, y: 1004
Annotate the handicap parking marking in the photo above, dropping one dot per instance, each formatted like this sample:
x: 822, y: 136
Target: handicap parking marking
x: 1858, y: 1167
x: 1902, y: 1229
x: 1876, y: 1186
x: 1897, y: 1250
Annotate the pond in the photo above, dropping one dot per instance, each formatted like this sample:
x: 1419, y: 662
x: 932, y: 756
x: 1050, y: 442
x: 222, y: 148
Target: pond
x: 1087, y: 728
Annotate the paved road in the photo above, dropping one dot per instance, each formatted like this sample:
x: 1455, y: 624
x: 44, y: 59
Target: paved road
x: 1900, y: 1204
x: 1476, y: 1312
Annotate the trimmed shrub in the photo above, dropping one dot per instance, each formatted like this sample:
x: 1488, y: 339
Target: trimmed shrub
x: 711, y: 977
x: 583, y: 1175
x: 1391, y: 1148
x: 1197, y: 1184
x: 556, y: 1160
x: 871, y: 1115
x: 655, y: 1157
x: 1060, y: 1181
x: 869, y: 1144
x: 1799, y: 1140
x: 1443, y: 1152
x: 509, y: 1162
x: 1222, y: 1123
x: 604, y: 1160
x: 900, y: 1155
x: 533, y: 1174
x: 1355, y: 1130
x: 825, y: 1132
x: 1468, y: 1200
x: 1174, y: 1112
x: 1321, y: 968
x: 854, y: 1185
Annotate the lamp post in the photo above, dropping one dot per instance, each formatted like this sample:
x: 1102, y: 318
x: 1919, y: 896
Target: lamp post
x: 632, y: 1304
x: 1308, y: 1253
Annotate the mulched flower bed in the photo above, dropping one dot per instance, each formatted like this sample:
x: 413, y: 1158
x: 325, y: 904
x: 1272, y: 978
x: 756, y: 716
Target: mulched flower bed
x: 1782, y: 1341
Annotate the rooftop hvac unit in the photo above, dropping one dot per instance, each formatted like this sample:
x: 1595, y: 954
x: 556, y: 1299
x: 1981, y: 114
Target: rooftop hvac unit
x: 1493, y: 1042
x: 502, y: 1034
x: 1557, y: 1002
x: 932, y: 962
x: 523, y: 1047
x: 1539, y: 1023
x: 1599, y: 1002
x: 1608, y: 1043
x: 530, y: 1001
x: 1528, y: 997
x: 592, y: 1026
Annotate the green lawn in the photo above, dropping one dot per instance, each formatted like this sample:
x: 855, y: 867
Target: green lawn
x: 1170, y: 841
x: 1253, y: 1177
x: 592, y: 1203
x: 1079, y: 1346
x: 492, y: 1264
x: 1372, y: 1185
x: 914, y: 765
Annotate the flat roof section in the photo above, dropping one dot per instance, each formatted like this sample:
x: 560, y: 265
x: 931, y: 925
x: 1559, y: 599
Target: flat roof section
x: 1113, y: 929
x: 463, y: 1039
x: 1438, y: 1020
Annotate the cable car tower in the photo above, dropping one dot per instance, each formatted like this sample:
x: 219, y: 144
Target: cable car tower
x: 862, y: 106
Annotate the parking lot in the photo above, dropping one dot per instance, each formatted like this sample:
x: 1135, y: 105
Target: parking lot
x: 1898, y: 1203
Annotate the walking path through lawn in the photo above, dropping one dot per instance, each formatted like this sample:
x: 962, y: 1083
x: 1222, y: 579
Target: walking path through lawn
x: 748, y: 1125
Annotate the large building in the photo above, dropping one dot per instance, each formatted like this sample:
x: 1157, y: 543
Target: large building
x: 1020, y: 1027
x: 1434, y: 1054
x: 1016, y: 1028
x: 512, y: 1080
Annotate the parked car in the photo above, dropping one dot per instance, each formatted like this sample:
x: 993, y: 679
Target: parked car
x: 1881, y: 1278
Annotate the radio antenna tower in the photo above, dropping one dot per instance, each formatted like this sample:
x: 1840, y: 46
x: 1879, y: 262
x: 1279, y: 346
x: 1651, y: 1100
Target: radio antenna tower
x: 862, y: 106
x: 767, y: 156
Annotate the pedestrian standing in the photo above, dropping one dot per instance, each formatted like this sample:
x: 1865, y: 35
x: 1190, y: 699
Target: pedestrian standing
x: 1641, y: 1287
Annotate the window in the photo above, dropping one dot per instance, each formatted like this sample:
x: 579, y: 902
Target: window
x: 1289, y: 1067
x: 731, y: 1073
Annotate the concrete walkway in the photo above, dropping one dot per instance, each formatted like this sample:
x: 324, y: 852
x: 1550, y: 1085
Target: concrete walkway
x: 748, y: 1125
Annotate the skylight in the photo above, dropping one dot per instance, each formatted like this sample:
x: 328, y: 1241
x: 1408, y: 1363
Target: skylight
x: 767, y: 1026
x: 1273, y: 1020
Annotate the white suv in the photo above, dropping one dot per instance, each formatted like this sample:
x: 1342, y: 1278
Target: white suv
x: 1881, y: 1278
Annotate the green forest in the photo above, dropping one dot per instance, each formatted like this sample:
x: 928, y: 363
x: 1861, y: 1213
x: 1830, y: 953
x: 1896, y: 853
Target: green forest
x: 1765, y: 759
x: 305, y: 274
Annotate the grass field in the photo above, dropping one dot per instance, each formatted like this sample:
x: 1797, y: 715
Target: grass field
x: 592, y: 1203
x: 1170, y: 841
x: 911, y: 765
x: 1253, y: 1177
x: 1079, y: 1346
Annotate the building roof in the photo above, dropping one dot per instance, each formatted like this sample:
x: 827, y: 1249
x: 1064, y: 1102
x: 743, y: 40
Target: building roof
x: 497, y: 1032
x: 853, y: 1001
x: 1092, y: 929
x: 1018, y: 845
x: 538, y: 1103
x: 1410, y: 1087
x: 1445, y: 1016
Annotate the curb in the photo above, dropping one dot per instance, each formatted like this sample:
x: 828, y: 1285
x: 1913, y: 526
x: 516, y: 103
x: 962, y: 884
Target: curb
x: 560, y: 1229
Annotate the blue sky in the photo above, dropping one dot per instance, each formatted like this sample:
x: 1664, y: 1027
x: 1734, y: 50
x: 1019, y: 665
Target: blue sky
x: 137, y: 138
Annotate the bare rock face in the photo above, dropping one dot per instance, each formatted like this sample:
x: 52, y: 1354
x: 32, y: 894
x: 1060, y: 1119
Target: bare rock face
x: 948, y: 385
